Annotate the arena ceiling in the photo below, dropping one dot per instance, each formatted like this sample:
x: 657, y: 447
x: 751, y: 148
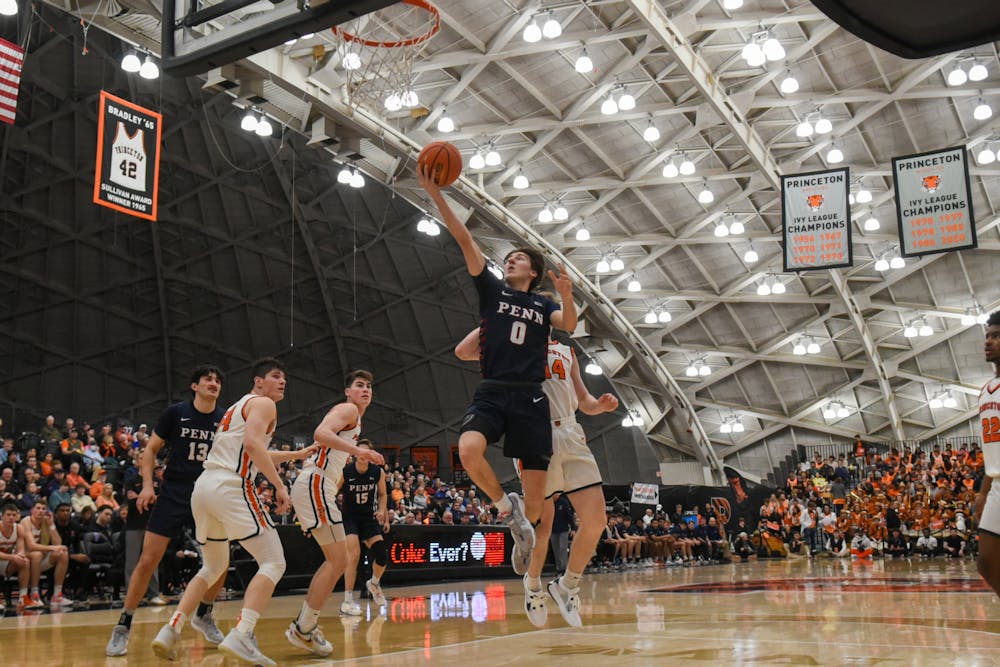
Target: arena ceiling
x: 259, y: 249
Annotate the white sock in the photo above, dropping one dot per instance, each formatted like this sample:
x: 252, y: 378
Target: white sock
x: 178, y: 620
x: 57, y: 590
x: 247, y: 621
x: 308, y: 618
x: 22, y: 592
x: 534, y: 583
x: 504, y: 505
x: 375, y: 579
x: 348, y: 596
x: 571, y: 579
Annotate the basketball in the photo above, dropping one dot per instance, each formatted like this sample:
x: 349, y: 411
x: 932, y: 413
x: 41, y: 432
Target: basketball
x: 444, y: 160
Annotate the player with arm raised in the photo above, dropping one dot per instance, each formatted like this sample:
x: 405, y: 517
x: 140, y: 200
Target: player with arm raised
x: 509, y: 402
x: 314, y: 496
x: 572, y: 471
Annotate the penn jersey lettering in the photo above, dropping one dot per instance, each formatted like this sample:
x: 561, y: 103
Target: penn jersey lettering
x: 331, y: 461
x: 189, y: 435
x: 228, y: 451
x: 558, y: 385
x: 513, y: 330
x: 361, y: 489
x: 989, y: 417
x: 128, y: 159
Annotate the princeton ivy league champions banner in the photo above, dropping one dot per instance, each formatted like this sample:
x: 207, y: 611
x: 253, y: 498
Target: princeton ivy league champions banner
x: 934, y: 202
x: 816, y: 220
x: 128, y: 157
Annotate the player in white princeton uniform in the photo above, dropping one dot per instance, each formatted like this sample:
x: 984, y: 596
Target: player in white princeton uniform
x: 987, y: 511
x: 314, y: 497
x: 572, y: 471
x: 226, y: 509
x: 128, y: 159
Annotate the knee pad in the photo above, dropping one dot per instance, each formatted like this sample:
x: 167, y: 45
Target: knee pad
x: 379, y: 553
x: 215, y: 561
x: 266, y: 550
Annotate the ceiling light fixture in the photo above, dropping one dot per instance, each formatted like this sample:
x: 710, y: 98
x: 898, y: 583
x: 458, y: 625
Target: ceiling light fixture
x: 551, y: 29
x: 651, y: 134
x: 584, y: 64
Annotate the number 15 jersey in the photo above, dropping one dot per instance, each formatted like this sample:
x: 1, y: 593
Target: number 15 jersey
x: 513, y: 330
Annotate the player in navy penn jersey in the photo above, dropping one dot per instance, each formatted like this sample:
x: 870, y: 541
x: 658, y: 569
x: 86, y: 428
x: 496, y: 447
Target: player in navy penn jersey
x: 366, y: 517
x: 187, y: 430
x: 509, y: 402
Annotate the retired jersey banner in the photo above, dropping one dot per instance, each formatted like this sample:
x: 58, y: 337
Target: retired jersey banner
x: 934, y: 202
x: 816, y: 220
x: 127, y: 176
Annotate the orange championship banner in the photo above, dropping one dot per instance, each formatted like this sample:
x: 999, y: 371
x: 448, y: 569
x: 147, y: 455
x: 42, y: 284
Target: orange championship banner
x: 816, y: 220
x: 127, y: 174
x: 934, y: 202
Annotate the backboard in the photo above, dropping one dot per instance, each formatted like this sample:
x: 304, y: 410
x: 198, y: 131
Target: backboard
x: 204, y: 35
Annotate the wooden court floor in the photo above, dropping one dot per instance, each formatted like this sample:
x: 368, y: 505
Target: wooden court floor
x: 769, y: 613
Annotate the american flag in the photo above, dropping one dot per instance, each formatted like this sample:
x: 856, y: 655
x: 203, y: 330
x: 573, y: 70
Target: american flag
x: 11, y: 57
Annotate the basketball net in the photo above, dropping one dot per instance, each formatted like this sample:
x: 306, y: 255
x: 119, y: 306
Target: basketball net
x: 377, y: 52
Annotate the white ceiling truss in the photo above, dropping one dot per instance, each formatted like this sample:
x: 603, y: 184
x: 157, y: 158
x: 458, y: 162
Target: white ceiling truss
x: 681, y: 61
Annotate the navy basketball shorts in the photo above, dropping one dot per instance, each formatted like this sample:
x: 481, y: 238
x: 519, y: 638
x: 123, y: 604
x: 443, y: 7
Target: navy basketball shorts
x: 172, y: 510
x: 364, y: 526
x: 519, y: 412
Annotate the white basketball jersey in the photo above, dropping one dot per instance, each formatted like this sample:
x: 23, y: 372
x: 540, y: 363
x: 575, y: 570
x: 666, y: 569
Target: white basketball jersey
x: 989, y: 416
x: 8, y: 543
x: 228, y: 452
x: 128, y: 159
x: 332, y: 461
x: 558, y: 385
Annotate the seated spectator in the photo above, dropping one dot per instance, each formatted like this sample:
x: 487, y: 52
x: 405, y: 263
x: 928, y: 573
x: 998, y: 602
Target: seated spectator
x: 30, y: 497
x: 927, y: 544
x: 182, y: 560
x: 717, y: 543
x: 49, y: 431
x: 92, y: 456
x: 74, y: 477
x: 73, y: 449
x: 796, y: 547
x: 897, y: 546
x: 743, y: 548
x: 107, y: 498
x: 78, y: 574
x: 81, y: 499
x: 861, y: 546
x: 953, y: 544
x: 837, y: 546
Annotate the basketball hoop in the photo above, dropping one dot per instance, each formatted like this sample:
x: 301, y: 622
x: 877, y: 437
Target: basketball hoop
x: 377, y: 52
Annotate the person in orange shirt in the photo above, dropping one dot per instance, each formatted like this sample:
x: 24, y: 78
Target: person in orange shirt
x: 75, y: 478
x: 72, y: 448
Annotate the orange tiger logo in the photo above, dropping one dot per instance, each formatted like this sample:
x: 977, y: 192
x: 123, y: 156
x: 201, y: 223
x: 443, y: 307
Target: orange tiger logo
x: 722, y: 509
x: 930, y: 183
x: 815, y: 202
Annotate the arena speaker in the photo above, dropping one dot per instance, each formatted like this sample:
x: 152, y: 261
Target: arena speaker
x: 917, y: 28
x: 198, y: 36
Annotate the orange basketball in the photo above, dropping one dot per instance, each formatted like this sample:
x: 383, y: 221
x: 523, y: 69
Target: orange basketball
x: 444, y: 160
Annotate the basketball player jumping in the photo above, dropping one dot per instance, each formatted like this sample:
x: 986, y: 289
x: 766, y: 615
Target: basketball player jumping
x: 314, y: 496
x: 226, y: 509
x: 572, y: 471
x: 987, y: 508
x: 187, y: 429
x: 366, y: 517
x: 514, y: 333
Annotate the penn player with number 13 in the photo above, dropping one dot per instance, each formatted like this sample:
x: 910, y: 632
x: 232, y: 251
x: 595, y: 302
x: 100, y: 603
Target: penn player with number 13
x: 509, y: 402
x: 188, y: 430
